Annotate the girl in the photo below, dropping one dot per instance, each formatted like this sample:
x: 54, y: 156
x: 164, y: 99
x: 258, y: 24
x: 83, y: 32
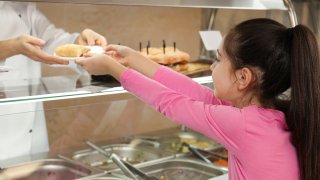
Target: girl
x: 267, y: 138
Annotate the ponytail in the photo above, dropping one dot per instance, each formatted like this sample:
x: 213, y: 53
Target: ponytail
x: 303, y: 115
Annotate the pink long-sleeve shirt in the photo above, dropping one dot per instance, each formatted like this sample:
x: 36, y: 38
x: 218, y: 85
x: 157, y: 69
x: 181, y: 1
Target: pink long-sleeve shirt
x: 257, y: 139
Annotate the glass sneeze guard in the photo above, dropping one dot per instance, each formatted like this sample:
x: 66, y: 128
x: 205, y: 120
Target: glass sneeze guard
x: 57, y: 87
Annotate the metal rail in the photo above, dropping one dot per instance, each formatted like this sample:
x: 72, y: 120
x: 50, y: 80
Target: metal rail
x: 223, y: 4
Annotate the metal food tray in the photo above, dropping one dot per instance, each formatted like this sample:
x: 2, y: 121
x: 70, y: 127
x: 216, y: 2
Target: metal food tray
x: 216, y: 158
x: 110, y: 177
x: 180, y: 169
x: 219, y: 157
x: 47, y: 169
x: 221, y: 151
x: 106, y: 176
x: 134, y: 155
x: 172, y: 143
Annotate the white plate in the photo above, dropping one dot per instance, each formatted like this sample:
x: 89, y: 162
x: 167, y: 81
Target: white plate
x: 93, y: 50
x: 96, y: 49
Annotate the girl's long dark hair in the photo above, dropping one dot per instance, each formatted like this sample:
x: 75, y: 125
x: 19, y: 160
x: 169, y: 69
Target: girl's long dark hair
x: 288, y: 58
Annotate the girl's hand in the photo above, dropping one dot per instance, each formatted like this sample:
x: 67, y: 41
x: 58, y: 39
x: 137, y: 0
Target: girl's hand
x: 133, y: 59
x: 89, y: 37
x: 31, y: 47
x: 101, y: 64
x: 96, y: 64
x: 122, y: 54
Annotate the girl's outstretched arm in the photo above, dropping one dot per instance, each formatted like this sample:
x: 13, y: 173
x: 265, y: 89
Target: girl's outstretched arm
x: 225, y: 124
x: 133, y: 59
x: 165, y: 76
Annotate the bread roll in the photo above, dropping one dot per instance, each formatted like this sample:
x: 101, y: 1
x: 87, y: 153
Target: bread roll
x: 168, y: 58
x: 71, y: 50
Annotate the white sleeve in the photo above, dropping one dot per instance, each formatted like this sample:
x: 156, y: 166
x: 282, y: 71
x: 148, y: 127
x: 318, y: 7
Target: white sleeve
x: 42, y: 28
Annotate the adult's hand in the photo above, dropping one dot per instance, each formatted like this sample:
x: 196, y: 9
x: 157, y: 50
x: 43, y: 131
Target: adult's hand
x: 31, y: 47
x: 89, y: 37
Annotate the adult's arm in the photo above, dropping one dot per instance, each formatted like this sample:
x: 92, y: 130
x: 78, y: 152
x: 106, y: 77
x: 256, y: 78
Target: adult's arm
x: 42, y: 28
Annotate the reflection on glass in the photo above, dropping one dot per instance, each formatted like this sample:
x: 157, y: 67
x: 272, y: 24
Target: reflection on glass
x: 17, y: 88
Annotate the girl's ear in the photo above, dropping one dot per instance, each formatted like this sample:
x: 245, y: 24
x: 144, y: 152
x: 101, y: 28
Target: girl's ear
x: 244, y: 78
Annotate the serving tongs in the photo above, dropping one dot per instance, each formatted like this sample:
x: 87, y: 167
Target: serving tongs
x: 99, y: 149
x: 129, y: 169
x: 199, y: 153
x: 195, y: 152
x: 115, y: 158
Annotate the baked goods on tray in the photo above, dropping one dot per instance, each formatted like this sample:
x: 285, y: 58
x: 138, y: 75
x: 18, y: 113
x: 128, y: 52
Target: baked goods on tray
x: 166, y: 56
x: 71, y: 50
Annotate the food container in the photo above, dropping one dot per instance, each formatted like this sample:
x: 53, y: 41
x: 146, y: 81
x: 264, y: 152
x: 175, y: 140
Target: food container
x: 173, y: 143
x: 180, y: 169
x: 217, y: 160
x: 47, y: 169
x: 106, y: 176
x: 126, y: 152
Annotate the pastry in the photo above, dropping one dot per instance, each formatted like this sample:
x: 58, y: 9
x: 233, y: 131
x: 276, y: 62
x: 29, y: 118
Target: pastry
x: 71, y: 50
x: 168, y: 57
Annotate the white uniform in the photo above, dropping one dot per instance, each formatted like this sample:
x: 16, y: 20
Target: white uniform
x: 25, y: 133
